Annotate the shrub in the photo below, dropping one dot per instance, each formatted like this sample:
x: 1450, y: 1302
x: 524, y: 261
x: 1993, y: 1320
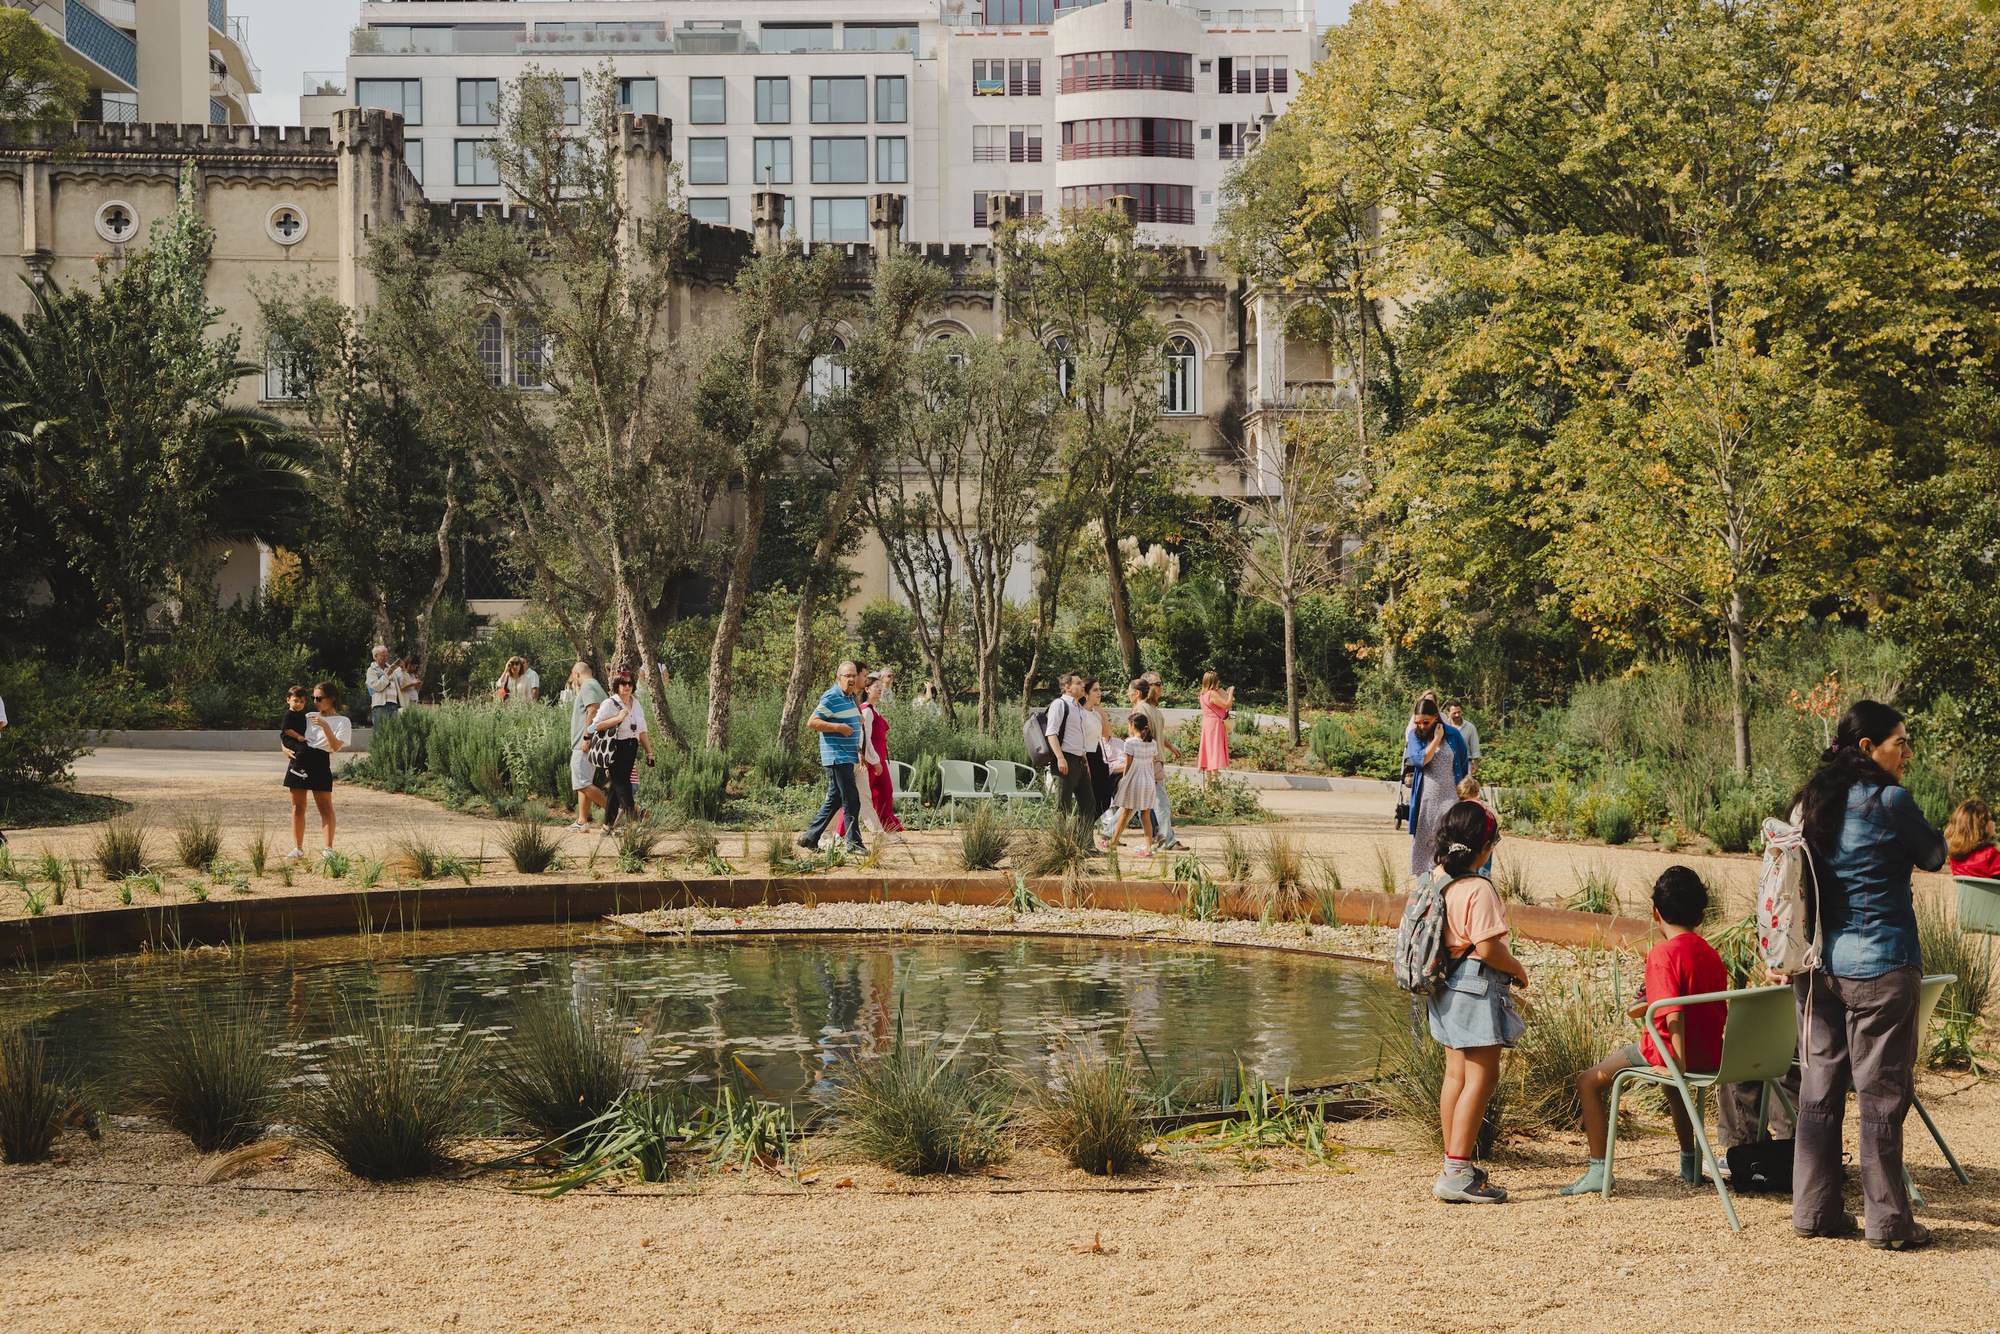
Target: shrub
x: 982, y: 842
x: 1616, y: 823
x: 701, y: 784
x: 394, y: 1098
x: 1092, y: 1112
x: 1573, y: 1024
x: 529, y: 844
x: 45, y: 732
x: 1054, y: 849
x: 1733, y: 826
x: 1281, y: 894
x: 1221, y: 800
x: 566, y: 1067
x: 33, y: 1097
x: 1596, y: 892
x: 213, y: 1080
x: 197, y: 839
x: 916, y: 1109
x: 120, y: 847
x: 1359, y: 744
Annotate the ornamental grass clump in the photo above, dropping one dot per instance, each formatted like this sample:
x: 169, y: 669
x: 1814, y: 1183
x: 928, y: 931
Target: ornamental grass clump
x: 1055, y: 850
x: 197, y: 839
x: 919, y: 1109
x: 1280, y: 894
x: 638, y: 841
x: 120, y: 848
x: 33, y: 1097
x: 1412, y: 1086
x: 1961, y: 1009
x: 1092, y: 1112
x: 565, y: 1068
x: 395, y: 1097
x: 1574, y: 1023
x: 982, y: 842
x: 530, y: 844
x: 214, y: 1081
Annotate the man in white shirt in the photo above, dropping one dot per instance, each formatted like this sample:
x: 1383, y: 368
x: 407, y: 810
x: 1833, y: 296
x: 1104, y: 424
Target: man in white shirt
x: 1066, y: 739
x: 1455, y: 715
x: 385, y: 688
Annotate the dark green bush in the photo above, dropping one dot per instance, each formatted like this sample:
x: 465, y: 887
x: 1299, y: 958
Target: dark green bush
x: 701, y: 785
x: 1733, y: 826
x: 565, y: 1067
x: 1615, y: 823
x: 395, y: 1096
x: 213, y: 1080
x: 45, y: 731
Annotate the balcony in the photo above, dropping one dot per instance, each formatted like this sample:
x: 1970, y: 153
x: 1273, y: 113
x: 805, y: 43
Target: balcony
x: 326, y: 83
x: 1127, y: 148
x: 1096, y: 83
x: 1311, y: 396
x: 100, y: 43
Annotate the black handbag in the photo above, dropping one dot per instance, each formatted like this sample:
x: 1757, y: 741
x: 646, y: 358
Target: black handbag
x: 1762, y: 1165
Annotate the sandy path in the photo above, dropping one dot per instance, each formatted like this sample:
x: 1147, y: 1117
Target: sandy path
x: 115, y: 1238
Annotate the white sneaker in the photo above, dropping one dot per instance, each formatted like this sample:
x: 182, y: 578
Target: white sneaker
x: 295, y: 854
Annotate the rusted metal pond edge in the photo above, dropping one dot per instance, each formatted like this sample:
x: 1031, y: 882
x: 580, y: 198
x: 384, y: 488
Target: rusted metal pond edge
x: 37, y: 941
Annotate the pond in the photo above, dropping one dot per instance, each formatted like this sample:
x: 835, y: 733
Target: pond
x: 786, y: 1010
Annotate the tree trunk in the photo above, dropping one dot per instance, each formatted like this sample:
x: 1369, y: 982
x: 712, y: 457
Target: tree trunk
x: 421, y: 650
x: 838, y: 506
x: 1292, y: 666
x: 1739, y: 684
x: 1121, y: 600
x: 126, y: 637
x: 729, y: 627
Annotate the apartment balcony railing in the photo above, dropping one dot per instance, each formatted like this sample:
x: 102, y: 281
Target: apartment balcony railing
x: 1097, y: 83
x: 1311, y: 396
x: 326, y: 83
x: 1004, y: 153
x: 1127, y: 148
x: 1228, y: 151
x: 87, y: 33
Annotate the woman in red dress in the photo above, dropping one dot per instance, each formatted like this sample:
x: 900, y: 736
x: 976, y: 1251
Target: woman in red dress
x: 875, y: 761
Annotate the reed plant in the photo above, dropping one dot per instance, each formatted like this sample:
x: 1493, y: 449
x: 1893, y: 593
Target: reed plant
x: 120, y: 847
x: 1324, y: 891
x: 1236, y: 862
x: 1574, y: 1023
x: 1054, y: 849
x: 417, y: 856
x: 1962, y: 1008
x: 1280, y: 894
x: 566, y: 1067
x: 983, y: 842
x: 197, y: 839
x: 257, y: 851
x: 1511, y: 882
x: 919, y: 1109
x: 530, y: 844
x: 213, y: 1080
x: 1091, y: 1110
x: 33, y: 1097
x: 1385, y: 870
x: 395, y: 1097
x: 1596, y: 892
x: 1412, y: 1086
x: 1200, y: 896
x: 638, y: 840
x: 700, y: 846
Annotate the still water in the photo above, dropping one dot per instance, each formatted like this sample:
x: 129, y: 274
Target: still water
x: 788, y: 1009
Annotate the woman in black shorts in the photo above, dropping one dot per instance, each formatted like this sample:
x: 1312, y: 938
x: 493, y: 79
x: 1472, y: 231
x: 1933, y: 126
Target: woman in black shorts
x: 311, y: 768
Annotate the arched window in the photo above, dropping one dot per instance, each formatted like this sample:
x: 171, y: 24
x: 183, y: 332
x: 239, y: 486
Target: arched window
x: 1064, y: 365
x: 829, y: 377
x: 1177, y: 383
x: 531, y: 357
x: 493, y: 350
x: 951, y: 353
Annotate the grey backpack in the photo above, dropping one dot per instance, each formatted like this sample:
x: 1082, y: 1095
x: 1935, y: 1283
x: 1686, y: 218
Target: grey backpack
x: 1422, y: 963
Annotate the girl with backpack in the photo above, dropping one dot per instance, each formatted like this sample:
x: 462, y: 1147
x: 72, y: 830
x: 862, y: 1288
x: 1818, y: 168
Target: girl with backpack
x: 1471, y: 1011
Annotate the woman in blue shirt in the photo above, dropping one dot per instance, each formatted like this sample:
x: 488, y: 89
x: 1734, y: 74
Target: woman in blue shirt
x: 1858, y: 1010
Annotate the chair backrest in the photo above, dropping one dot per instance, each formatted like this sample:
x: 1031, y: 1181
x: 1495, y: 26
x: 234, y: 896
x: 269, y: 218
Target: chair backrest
x: 1927, y: 1000
x: 1003, y: 777
x: 900, y: 775
x: 958, y: 778
x: 1761, y: 1035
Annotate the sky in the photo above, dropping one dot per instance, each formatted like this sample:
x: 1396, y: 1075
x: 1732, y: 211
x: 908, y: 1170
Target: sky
x: 288, y: 38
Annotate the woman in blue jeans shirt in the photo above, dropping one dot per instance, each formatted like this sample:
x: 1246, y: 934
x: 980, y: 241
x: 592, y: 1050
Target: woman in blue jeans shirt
x: 1858, y: 1010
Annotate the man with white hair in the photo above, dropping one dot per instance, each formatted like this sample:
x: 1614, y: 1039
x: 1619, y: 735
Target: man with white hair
x: 385, y: 688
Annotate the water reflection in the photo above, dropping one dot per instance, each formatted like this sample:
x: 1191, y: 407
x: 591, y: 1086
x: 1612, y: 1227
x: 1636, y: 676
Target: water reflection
x: 787, y: 1010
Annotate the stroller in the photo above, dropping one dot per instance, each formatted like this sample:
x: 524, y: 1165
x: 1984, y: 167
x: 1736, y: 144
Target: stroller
x: 1409, y: 781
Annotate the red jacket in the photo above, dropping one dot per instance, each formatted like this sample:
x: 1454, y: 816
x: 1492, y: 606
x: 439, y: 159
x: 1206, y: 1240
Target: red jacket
x: 1983, y: 863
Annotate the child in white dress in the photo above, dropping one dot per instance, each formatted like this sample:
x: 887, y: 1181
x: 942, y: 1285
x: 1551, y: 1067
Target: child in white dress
x: 1135, y: 789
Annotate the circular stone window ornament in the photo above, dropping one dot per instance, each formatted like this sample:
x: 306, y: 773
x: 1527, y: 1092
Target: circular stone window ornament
x: 117, y: 221
x: 286, y: 224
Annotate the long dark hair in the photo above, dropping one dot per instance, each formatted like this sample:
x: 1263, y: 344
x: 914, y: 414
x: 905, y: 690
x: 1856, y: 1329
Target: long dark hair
x: 1465, y: 831
x: 1824, y: 797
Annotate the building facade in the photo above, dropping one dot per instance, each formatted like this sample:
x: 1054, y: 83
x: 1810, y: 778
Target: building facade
x: 1060, y: 102
x: 169, y: 61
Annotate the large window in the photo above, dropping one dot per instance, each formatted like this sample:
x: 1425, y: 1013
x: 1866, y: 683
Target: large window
x: 1020, y: 11
x: 531, y: 357
x: 774, y: 101
x: 796, y: 37
x: 572, y: 101
x: 405, y: 97
x: 1127, y: 136
x: 1172, y: 204
x: 1006, y: 143
x: 840, y: 161
x: 829, y: 375
x: 840, y: 219
x: 892, y: 99
x: 1090, y: 71
x: 708, y: 162
x: 892, y: 160
x: 772, y: 163
x: 709, y: 210
x: 1177, y: 376
x: 475, y: 163
x: 492, y: 347
x: 707, y: 101
x: 841, y: 101
x: 479, y: 101
x: 413, y: 158
x: 282, y: 381
x: 640, y: 97
x: 1252, y: 74
x: 878, y: 36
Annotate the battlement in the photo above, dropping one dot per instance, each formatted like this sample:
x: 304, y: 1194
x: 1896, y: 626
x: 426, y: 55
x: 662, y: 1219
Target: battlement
x: 646, y: 134
x: 163, y: 139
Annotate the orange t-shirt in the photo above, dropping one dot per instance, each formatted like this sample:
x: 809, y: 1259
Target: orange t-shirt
x: 1472, y: 913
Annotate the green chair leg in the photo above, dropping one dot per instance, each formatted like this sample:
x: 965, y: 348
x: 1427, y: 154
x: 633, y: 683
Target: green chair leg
x: 1611, y: 1133
x: 1943, y: 1147
x: 1715, y: 1173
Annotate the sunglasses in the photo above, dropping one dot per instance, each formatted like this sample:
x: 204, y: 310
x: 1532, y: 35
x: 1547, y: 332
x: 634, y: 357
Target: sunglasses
x: 318, y: 698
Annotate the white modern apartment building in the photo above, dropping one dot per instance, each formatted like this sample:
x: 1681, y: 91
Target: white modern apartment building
x: 185, y: 62
x: 947, y: 102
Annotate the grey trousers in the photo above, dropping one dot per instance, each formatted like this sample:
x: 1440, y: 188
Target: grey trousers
x: 1736, y: 1113
x: 1862, y: 1034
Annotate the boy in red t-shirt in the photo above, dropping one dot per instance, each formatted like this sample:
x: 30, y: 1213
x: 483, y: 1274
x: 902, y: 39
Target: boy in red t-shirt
x: 1682, y: 964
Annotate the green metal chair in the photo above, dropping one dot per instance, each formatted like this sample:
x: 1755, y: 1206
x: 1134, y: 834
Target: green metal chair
x: 1927, y: 1003
x: 1978, y: 904
x: 1004, y: 782
x: 958, y: 780
x: 1759, y: 1039
x: 900, y: 776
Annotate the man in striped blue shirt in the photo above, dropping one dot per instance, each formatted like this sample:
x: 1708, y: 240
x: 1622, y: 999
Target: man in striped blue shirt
x: 837, y: 719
